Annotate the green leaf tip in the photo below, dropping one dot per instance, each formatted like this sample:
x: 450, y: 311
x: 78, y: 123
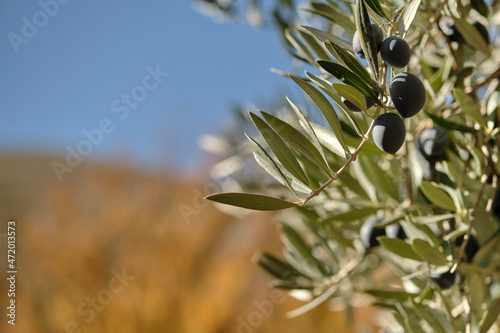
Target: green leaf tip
x: 250, y: 201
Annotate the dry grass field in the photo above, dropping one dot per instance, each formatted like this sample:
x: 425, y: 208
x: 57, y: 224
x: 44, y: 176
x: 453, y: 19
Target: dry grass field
x: 107, y: 250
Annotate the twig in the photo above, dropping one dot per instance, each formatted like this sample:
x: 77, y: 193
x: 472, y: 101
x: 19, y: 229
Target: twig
x: 485, y: 81
x: 333, y: 285
x: 351, y: 159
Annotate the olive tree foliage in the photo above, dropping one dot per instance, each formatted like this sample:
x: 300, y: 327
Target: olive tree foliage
x: 257, y: 13
x: 391, y: 171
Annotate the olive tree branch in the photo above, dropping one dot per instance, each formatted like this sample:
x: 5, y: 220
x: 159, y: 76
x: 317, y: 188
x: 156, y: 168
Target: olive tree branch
x: 351, y: 159
x: 491, y: 77
x: 331, y: 286
x: 365, y: 137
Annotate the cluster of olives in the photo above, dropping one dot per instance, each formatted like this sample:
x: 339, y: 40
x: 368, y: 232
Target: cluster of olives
x: 406, y: 90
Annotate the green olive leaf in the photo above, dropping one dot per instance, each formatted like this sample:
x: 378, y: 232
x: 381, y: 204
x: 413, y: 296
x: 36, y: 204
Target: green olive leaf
x: 491, y: 316
x: 294, y: 241
x: 351, y: 94
x: 334, y: 14
x: 450, y: 124
x: 314, y: 44
x: 280, y: 149
x: 324, y: 106
x: 469, y: 106
x: 277, y: 267
x: 299, y: 46
x: 471, y: 35
x: 375, y: 6
x: 366, y: 36
x: 399, y: 247
x: 250, y: 201
x: 391, y: 294
x: 480, y: 6
x: 407, y: 17
x: 437, y: 196
x: 324, y: 37
x: 429, y: 253
x: 328, y: 139
x: 327, y: 87
x: 351, y: 215
x: 298, y: 141
x: 345, y: 75
x: 275, y: 170
x: 350, y: 62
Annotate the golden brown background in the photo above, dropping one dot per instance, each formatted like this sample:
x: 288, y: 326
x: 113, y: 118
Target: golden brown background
x: 183, y: 274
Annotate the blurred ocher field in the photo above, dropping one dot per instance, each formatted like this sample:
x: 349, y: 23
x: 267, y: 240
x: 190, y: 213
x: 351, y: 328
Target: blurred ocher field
x: 107, y: 250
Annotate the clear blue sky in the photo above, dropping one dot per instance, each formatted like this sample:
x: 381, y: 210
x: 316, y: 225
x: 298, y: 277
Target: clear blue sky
x: 65, y: 77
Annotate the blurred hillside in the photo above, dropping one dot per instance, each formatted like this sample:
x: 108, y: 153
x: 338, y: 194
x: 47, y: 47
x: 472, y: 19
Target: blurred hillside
x: 108, y: 250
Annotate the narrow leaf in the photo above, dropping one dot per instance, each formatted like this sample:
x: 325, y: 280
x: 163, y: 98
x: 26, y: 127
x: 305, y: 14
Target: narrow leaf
x: 364, y: 181
x: 307, y: 126
x: 325, y: 107
x: 351, y: 94
x: 277, y: 267
x: 391, y: 294
x: 348, y: 77
x: 250, y: 201
x: 471, y: 35
x: 280, y: 149
x: 353, y: 64
x: 295, y: 241
x: 447, y: 124
x: 324, y: 36
x: 293, y: 285
x: 491, y: 315
x: 399, y: 247
x: 437, y: 196
x: 327, y: 87
x: 433, y: 218
x: 366, y: 36
x: 375, y: 6
x: 469, y: 106
x: 299, y: 46
x: 380, y: 179
x: 297, y: 140
x: 429, y: 253
x: 407, y: 17
x: 328, y: 139
x: 313, y: 43
x: 351, y: 215
x: 284, y: 177
x: 480, y: 6
x: 435, y: 318
x: 277, y: 171
x: 334, y: 14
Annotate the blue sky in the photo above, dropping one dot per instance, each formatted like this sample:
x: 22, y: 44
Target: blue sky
x: 74, y: 71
